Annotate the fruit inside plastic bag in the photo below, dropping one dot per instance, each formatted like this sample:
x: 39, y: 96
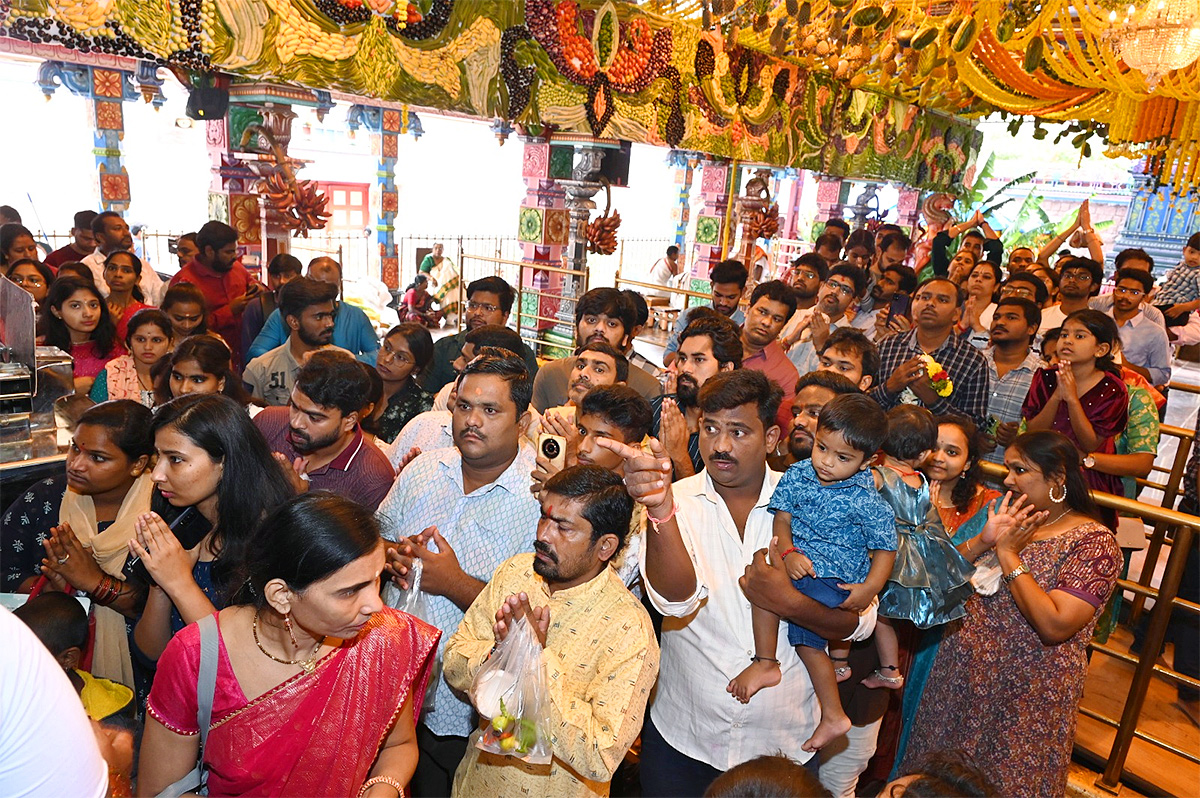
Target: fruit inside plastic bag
x: 511, y: 692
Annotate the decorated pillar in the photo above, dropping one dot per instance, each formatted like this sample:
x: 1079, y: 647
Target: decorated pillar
x: 542, y: 230
x: 385, y: 126
x: 230, y: 192
x: 105, y: 90
x: 685, y: 169
x: 716, y: 185
x: 792, y: 229
x: 832, y: 194
x: 908, y: 209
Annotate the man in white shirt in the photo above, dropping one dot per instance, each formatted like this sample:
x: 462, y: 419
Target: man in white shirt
x: 708, y: 529
x: 665, y: 272
x: 1079, y: 279
x: 112, y: 235
x: 42, y: 720
x: 463, y: 511
x: 307, y: 308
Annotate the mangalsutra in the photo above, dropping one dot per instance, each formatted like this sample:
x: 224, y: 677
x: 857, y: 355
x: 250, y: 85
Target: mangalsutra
x: 306, y: 665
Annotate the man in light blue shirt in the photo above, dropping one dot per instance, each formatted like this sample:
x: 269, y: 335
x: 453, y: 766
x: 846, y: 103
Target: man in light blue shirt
x: 352, y: 330
x: 462, y: 511
x: 1145, y: 347
x: 728, y: 280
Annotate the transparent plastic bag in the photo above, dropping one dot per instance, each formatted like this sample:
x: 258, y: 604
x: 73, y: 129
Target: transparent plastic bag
x: 413, y: 602
x: 511, y: 692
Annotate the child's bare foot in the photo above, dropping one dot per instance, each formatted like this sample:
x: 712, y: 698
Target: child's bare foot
x: 829, y: 729
x: 758, y: 674
x: 877, y: 679
x: 841, y: 672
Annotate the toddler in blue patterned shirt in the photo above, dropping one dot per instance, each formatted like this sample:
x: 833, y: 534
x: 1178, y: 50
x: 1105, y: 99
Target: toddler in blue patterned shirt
x: 829, y: 517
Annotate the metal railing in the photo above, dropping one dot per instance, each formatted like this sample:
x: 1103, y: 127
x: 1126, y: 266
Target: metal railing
x: 533, y: 326
x: 1166, y: 600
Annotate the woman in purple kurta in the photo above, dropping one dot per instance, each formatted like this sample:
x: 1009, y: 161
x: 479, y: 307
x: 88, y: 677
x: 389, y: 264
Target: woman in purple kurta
x: 1006, y: 685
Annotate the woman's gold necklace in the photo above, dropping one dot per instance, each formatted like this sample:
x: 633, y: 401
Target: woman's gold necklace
x: 307, y: 665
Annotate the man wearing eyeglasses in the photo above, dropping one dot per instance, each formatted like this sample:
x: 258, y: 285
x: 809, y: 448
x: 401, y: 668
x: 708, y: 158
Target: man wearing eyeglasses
x: 1145, y: 347
x: 1078, y: 280
x: 489, y: 301
x: 806, y: 335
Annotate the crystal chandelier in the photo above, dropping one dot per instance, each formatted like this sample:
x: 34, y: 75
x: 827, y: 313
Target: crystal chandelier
x: 1161, y: 36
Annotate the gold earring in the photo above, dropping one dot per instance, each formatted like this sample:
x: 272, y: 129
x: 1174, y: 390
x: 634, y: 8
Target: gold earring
x: 287, y: 622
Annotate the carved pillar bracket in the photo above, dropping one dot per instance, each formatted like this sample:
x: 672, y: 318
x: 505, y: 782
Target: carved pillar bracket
x: 105, y: 91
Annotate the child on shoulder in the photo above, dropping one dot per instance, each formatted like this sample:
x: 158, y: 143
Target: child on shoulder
x: 837, y: 538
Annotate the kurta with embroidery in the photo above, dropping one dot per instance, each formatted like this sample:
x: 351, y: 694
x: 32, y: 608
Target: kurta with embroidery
x: 601, y: 662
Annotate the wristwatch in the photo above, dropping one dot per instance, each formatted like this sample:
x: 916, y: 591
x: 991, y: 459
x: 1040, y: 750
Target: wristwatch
x: 1014, y: 573
x: 1089, y: 462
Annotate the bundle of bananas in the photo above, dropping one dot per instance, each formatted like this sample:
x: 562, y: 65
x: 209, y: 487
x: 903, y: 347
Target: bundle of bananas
x: 299, y: 205
x: 763, y: 224
x: 602, y: 233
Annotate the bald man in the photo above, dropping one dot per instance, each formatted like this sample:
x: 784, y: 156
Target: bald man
x: 352, y: 330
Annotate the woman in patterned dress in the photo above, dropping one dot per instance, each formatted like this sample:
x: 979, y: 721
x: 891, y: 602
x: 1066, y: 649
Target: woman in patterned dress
x: 1008, y: 678
x: 406, y: 351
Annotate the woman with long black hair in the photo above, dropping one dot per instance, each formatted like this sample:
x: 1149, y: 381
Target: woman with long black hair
x: 215, y: 466
x: 1006, y: 685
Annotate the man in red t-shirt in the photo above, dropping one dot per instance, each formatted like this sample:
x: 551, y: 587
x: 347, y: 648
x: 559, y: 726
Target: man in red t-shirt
x: 83, y: 243
x: 225, y: 283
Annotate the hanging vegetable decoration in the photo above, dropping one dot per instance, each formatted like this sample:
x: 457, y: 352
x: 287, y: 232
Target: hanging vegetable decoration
x: 602, y: 231
x: 299, y: 204
x: 763, y: 224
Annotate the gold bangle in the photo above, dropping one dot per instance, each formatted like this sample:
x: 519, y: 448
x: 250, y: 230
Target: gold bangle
x: 388, y: 780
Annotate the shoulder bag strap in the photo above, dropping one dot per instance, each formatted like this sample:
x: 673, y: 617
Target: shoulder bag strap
x: 206, y: 687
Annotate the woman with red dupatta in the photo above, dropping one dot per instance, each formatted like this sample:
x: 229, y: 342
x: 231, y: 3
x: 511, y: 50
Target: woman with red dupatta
x: 318, y: 684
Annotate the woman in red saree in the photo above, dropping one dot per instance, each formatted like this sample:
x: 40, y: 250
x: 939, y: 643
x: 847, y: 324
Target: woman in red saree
x: 318, y: 684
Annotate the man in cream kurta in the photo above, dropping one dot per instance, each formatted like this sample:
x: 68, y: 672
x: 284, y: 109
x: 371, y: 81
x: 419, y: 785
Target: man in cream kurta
x: 600, y: 655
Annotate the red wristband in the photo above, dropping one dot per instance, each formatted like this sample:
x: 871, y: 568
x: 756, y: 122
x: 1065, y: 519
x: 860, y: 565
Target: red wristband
x: 786, y: 552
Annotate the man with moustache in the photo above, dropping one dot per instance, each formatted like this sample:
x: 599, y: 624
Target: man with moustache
x: 595, y: 363
x: 875, y: 315
x: 1145, y: 347
x: 308, y: 308
x: 813, y: 391
x: 598, y: 642
x: 352, y: 330
x: 602, y: 314
x: 936, y: 309
x: 891, y: 249
x: 1011, y: 361
x: 317, y: 438
x: 489, y: 301
x: 473, y: 507
x: 711, y: 344
x: 728, y: 282
x: 707, y: 529
x: 805, y: 335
